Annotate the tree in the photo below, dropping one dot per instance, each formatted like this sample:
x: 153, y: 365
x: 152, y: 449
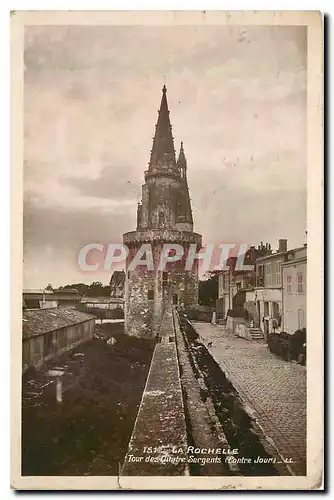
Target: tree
x: 81, y: 287
x: 95, y: 289
x: 208, y: 290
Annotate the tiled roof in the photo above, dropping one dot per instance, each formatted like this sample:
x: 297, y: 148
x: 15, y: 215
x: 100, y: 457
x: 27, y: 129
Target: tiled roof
x: 39, y: 321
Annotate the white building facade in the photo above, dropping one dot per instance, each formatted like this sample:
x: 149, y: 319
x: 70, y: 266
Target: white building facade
x: 294, y: 274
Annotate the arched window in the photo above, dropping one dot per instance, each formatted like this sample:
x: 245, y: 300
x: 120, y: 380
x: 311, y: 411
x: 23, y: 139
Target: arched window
x: 161, y: 218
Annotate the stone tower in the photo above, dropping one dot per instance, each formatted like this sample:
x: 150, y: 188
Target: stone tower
x: 164, y: 216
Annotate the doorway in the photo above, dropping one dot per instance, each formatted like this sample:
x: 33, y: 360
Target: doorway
x: 258, y: 316
x: 266, y: 309
x: 301, y: 319
x: 266, y: 328
x: 175, y: 299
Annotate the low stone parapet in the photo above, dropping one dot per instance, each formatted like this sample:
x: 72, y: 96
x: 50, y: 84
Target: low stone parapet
x: 160, y: 426
x: 238, y: 326
x: 162, y: 236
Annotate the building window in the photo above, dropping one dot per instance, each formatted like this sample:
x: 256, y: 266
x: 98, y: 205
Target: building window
x: 260, y: 276
x: 128, y: 275
x: 278, y: 273
x: 288, y: 284
x: 300, y: 283
x: 268, y: 273
x: 150, y: 294
x: 165, y: 277
x: 275, y: 311
x: 222, y: 282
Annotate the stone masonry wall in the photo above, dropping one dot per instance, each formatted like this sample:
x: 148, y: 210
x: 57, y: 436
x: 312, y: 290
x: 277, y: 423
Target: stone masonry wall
x: 160, y: 423
x: 239, y: 327
x: 147, y: 293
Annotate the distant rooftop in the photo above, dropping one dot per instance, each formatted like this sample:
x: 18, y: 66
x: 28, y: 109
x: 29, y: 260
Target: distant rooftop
x: 40, y: 321
x: 285, y: 252
x: 99, y: 300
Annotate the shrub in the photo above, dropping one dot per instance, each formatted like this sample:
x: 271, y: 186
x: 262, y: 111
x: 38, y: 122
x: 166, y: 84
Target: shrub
x: 192, y: 314
x: 288, y: 347
x: 297, y: 344
x: 278, y: 343
x: 199, y: 314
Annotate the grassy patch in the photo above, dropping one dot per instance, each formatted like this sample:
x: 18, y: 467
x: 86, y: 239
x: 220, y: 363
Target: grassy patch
x: 88, y: 433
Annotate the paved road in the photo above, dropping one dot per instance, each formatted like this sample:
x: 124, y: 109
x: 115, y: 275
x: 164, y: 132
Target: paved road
x: 273, y: 388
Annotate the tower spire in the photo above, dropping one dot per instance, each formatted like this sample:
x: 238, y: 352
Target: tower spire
x: 163, y: 152
x: 182, y: 161
x: 184, y: 204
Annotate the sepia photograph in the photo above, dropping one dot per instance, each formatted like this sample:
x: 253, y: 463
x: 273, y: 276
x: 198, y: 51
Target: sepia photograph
x: 167, y: 298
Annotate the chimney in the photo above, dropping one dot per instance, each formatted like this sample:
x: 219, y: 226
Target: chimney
x: 282, y: 245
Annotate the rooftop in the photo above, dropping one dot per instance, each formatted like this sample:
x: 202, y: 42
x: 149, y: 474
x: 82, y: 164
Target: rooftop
x: 272, y: 256
x: 287, y: 252
x: 39, y: 321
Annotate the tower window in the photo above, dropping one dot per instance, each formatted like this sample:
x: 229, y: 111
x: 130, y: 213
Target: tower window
x: 161, y: 218
x: 165, y: 277
x: 150, y: 294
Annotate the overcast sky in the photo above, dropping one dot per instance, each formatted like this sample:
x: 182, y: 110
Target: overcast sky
x: 237, y: 98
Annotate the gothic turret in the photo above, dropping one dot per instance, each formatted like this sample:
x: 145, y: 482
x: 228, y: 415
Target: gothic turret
x: 184, y: 206
x: 182, y: 162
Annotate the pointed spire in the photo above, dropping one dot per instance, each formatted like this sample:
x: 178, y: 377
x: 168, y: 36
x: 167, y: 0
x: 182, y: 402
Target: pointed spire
x: 163, y: 152
x: 182, y: 161
x: 184, y: 204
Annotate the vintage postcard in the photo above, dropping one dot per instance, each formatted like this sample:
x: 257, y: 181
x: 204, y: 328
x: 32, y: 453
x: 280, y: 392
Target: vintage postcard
x: 167, y: 250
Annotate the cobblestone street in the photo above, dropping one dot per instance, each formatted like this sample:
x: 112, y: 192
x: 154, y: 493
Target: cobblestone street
x: 274, y: 390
